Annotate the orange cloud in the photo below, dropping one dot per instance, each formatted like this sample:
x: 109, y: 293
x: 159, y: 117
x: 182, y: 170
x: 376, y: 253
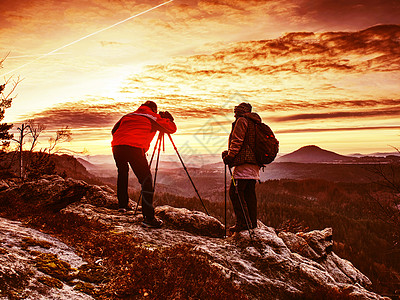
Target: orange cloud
x: 89, y: 114
x: 310, y: 130
x: 351, y: 12
x: 381, y: 113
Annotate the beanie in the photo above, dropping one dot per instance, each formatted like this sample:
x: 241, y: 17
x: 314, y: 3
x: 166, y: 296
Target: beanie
x: 242, y: 108
x: 152, y: 105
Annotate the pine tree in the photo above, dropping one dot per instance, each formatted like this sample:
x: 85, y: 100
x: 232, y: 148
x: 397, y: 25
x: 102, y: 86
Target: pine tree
x: 5, y: 102
x: 4, y: 127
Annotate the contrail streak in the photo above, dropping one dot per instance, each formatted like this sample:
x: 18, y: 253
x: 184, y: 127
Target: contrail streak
x: 31, y: 55
x: 87, y: 36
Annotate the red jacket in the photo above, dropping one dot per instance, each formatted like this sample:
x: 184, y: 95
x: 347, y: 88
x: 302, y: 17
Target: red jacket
x: 137, y: 129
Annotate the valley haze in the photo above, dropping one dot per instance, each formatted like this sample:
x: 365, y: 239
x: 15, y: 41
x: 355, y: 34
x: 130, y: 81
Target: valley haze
x: 308, y: 162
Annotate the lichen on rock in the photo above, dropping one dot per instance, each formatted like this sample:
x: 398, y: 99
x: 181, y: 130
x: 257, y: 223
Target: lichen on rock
x: 50, y: 281
x: 86, y: 288
x: 30, y: 242
x: 51, y: 265
x: 92, y: 273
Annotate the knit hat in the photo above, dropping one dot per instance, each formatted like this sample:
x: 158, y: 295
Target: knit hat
x: 242, y: 108
x: 152, y: 105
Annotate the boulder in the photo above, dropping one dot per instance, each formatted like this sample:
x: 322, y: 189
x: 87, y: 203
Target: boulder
x: 191, y: 221
x: 315, y: 244
x: 55, y: 193
x: 298, y: 245
x: 101, y: 196
x: 321, y: 241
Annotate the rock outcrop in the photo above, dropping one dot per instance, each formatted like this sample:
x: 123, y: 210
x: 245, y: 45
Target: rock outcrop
x: 286, y: 265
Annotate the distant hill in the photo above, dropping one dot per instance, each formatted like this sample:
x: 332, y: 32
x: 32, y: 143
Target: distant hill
x: 86, y: 164
x: 64, y: 165
x: 313, y: 154
x: 70, y: 166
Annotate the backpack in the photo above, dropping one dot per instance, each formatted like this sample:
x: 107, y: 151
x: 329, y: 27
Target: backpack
x: 267, y: 146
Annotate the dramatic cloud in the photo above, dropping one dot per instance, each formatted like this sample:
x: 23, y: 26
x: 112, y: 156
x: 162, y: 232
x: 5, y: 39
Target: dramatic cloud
x: 374, y: 49
x: 394, y: 111
x: 343, y: 129
x: 286, y: 79
x: 90, y: 114
x: 297, y: 70
x: 322, y: 105
x: 363, y: 13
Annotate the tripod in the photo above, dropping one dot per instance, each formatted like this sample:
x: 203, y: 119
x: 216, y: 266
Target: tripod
x: 157, y: 147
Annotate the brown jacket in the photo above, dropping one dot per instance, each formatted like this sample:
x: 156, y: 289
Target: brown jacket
x: 242, y: 139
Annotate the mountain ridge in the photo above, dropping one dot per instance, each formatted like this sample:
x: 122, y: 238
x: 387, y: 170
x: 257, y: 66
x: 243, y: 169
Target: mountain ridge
x: 206, y: 160
x: 313, y: 154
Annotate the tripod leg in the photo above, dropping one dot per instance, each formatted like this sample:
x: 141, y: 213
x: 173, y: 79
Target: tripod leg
x: 161, y: 137
x: 225, y: 198
x: 246, y: 215
x: 158, y: 143
x: 190, y: 178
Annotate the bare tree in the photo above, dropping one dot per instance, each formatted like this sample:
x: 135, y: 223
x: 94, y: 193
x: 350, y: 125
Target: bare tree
x: 35, y: 129
x: 33, y: 164
x: 41, y: 162
x: 23, y: 130
x: 62, y: 135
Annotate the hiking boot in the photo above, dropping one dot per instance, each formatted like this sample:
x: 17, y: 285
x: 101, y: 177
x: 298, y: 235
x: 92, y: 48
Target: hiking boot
x: 152, y: 223
x: 240, y: 227
x: 237, y: 228
x: 125, y: 209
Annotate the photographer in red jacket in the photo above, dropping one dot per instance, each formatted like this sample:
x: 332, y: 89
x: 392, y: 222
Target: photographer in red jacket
x: 132, y: 136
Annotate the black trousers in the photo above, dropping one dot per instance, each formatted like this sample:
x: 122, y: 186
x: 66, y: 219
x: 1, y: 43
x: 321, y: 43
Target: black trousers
x: 135, y: 157
x: 247, y: 195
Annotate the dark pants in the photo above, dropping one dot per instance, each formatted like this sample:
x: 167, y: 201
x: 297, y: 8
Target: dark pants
x: 138, y: 162
x: 247, y: 195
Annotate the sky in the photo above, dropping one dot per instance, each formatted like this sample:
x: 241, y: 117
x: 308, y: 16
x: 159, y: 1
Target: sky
x: 319, y: 72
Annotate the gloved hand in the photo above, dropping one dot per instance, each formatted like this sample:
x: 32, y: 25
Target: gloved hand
x: 228, y: 159
x: 166, y: 115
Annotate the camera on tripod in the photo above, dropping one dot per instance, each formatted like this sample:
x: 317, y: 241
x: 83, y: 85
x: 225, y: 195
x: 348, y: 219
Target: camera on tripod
x: 166, y: 115
x: 157, y: 148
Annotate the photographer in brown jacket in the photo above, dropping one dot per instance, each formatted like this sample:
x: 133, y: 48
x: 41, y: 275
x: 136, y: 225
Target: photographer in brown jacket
x: 240, y: 155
